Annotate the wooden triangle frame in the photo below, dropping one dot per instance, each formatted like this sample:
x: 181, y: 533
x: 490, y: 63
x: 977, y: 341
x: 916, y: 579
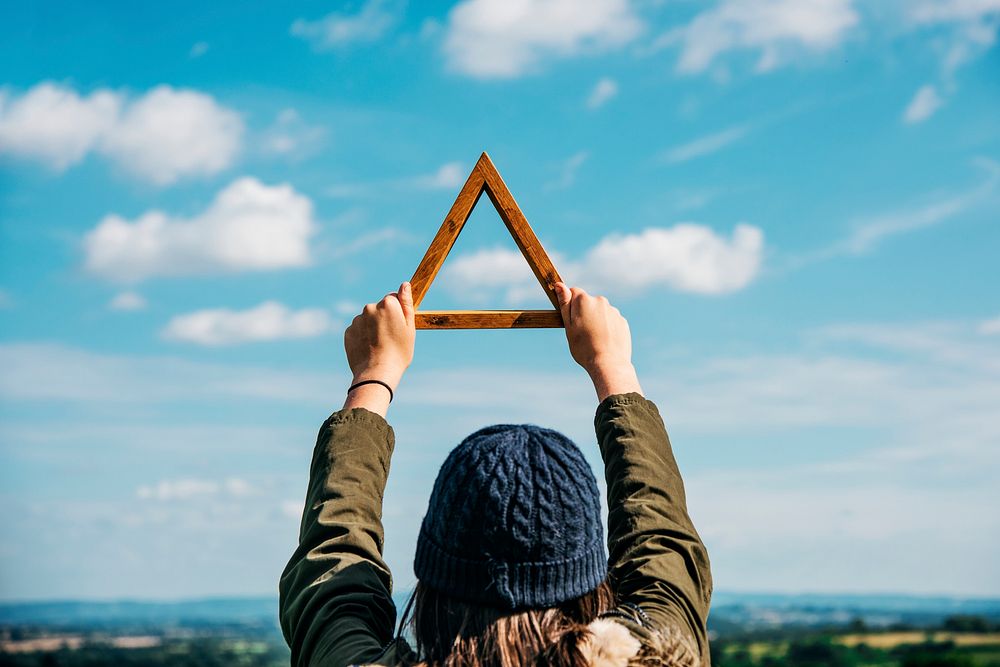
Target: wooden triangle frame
x: 485, y: 178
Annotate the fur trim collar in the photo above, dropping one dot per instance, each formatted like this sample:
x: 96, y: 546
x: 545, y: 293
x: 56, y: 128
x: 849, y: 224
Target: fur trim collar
x: 610, y: 644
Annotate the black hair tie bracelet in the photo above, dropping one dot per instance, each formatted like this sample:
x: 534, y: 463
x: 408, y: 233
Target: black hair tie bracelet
x: 364, y: 382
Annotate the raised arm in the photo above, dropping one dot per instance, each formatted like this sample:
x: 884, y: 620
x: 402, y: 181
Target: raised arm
x: 658, y: 564
x: 335, y: 602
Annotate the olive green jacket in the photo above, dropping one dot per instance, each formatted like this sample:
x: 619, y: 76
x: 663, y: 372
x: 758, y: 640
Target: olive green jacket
x: 336, y: 603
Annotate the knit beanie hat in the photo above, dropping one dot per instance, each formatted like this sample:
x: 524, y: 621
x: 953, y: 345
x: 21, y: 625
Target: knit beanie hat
x: 514, y: 521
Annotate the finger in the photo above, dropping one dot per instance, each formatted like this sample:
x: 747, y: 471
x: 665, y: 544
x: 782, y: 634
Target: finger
x: 390, y: 304
x: 405, y: 295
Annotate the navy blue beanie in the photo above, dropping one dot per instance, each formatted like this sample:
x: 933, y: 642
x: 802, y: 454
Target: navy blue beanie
x: 514, y: 521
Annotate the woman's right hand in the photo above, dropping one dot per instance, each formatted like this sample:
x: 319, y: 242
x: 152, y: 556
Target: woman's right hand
x: 599, y: 340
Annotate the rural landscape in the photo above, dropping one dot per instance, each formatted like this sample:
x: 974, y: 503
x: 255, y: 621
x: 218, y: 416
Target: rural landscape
x: 746, y: 630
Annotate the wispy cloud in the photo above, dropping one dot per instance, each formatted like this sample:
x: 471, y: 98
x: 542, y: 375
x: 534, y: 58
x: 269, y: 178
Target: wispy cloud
x: 64, y: 374
x: 567, y: 171
x: 778, y: 29
x: 338, y: 30
x: 290, y: 135
x: 869, y: 233
x: 902, y: 414
x: 186, y: 488
x: 969, y: 30
x: 449, y: 176
x: 127, y: 301
x: 198, y: 49
x: 706, y: 145
x: 602, y: 92
x: 375, y: 237
x: 925, y: 102
x: 990, y: 327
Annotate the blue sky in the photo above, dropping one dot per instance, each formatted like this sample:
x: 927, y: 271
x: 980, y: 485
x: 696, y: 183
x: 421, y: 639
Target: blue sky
x: 794, y: 202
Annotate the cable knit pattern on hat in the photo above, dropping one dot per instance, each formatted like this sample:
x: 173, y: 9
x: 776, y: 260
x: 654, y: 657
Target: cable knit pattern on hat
x: 514, y: 521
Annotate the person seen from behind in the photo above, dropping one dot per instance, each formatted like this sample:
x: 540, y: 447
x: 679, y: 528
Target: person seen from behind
x: 510, y: 562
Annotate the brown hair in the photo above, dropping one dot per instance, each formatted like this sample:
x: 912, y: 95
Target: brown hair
x: 453, y: 633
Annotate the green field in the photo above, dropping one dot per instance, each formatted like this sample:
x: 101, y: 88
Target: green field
x: 869, y: 649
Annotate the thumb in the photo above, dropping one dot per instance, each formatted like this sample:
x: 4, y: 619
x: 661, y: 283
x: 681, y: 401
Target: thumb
x: 406, y: 300
x: 563, y: 296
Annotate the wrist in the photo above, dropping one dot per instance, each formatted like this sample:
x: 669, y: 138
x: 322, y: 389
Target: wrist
x: 373, y: 397
x: 618, y: 378
x: 388, y: 374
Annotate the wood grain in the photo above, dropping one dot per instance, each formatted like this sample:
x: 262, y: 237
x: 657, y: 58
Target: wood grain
x: 519, y: 228
x: 446, y: 235
x: 485, y: 178
x: 488, y: 319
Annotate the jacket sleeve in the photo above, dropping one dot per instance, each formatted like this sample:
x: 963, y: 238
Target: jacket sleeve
x: 335, y: 601
x: 658, y: 564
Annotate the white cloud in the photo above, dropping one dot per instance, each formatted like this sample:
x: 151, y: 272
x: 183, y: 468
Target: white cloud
x: 448, y: 176
x: 268, y: 321
x: 187, y: 488
x: 290, y: 135
x: 168, y: 133
x: 161, y: 136
x: 55, y: 125
x: 567, y: 171
x: 507, y: 38
x: 127, y: 300
x: 923, y: 105
x: 494, y: 274
x: 248, y: 226
x: 990, y: 327
x: 338, y: 30
x: 778, y: 29
x: 705, y: 145
x: 603, y: 91
x: 686, y: 257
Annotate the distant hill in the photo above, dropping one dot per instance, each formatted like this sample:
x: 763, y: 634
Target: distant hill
x: 870, y: 602
x: 744, y: 609
x: 213, y: 611
x: 733, y: 612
